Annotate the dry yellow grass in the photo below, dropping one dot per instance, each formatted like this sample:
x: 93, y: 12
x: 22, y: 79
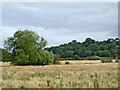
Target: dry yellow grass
x: 75, y: 75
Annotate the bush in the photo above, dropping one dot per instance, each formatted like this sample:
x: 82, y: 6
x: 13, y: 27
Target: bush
x: 76, y: 57
x: 93, y: 58
x: 106, y: 60
x: 56, y: 59
x: 67, y: 63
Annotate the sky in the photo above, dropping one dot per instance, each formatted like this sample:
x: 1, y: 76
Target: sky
x: 61, y: 22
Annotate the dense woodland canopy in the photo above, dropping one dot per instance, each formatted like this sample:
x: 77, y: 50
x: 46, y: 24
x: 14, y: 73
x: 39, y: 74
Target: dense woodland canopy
x: 88, y: 48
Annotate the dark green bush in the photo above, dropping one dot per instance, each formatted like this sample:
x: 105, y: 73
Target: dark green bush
x: 67, y: 63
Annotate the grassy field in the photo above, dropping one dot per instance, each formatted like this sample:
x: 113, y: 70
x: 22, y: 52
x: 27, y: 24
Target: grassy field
x: 78, y: 74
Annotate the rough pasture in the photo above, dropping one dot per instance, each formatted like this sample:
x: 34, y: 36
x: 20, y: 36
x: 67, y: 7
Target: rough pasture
x: 77, y: 74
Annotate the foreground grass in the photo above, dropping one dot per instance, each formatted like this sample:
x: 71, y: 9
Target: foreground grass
x: 61, y: 76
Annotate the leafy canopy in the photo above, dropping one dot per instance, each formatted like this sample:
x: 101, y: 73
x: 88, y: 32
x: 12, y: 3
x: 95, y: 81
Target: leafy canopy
x: 27, y: 47
x: 89, y: 48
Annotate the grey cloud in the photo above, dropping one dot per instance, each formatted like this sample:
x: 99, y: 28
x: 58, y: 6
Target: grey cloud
x: 63, y: 21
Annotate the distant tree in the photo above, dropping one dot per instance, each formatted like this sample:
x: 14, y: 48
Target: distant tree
x: 110, y: 40
x: 106, y: 53
x: 113, y: 53
x: 93, y: 47
x: 117, y: 41
x: 87, y: 53
x: 68, y: 54
x: 100, y: 53
x: 74, y: 41
x: 80, y: 51
x: 111, y: 46
x: 89, y: 41
x: 102, y: 47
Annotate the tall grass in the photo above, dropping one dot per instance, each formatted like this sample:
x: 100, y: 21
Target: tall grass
x: 61, y: 76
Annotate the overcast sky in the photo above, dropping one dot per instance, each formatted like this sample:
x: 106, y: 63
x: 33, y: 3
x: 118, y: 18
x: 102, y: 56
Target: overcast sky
x: 63, y: 22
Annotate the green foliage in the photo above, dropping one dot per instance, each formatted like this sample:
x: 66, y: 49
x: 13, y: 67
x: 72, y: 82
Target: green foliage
x: 88, y: 48
x: 71, y: 59
x: 118, y: 52
x: 67, y: 63
x: 93, y: 58
x: 106, y: 60
x: 56, y: 59
x: 6, y: 56
x: 106, y: 53
x: 0, y: 54
x: 27, y: 48
x: 87, y: 53
x: 66, y: 58
x: 76, y: 57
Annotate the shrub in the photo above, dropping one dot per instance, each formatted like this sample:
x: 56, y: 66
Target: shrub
x: 76, y: 57
x: 67, y: 63
x: 56, y: 59
x: 93, y: 58
x: 106, y: 60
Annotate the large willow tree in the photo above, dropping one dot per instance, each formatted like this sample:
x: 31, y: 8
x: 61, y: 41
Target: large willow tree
x: 27, y: 48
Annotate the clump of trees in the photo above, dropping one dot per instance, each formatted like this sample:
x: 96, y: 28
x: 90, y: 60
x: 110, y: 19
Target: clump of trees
x: 26, y: 48
x: 88, y: 49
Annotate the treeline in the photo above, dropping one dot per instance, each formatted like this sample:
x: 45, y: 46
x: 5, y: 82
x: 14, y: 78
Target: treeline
x: 28, y: 48
x: 89, y: 48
